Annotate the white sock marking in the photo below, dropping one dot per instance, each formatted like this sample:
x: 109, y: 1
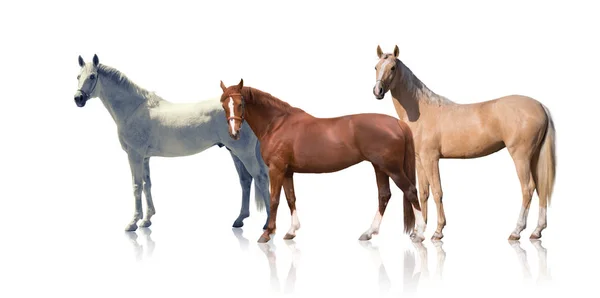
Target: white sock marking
x: 295, y: 223
x: 542, y: 218
x: 419, y: 221
x: 522, y: 221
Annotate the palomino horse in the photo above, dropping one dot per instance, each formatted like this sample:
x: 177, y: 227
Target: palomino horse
x: 445, y: 129
x: 293, y: 141
x: 148, y: 125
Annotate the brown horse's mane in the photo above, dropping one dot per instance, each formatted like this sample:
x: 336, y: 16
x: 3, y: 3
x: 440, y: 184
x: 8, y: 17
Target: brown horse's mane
x: 259, y: 97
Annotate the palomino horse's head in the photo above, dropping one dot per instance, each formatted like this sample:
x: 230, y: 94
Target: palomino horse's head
x: 88, y: 78
x: 233, y: 104
x: 385, y: 72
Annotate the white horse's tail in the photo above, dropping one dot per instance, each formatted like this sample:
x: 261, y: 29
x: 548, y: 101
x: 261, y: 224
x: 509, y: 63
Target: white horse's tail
x: 260, y: 201
x: 546, y: 163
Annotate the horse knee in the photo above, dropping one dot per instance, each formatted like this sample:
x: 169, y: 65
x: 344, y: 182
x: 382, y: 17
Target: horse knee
x: 437, y: 196
x: 147, y: 185
x: 424, y: 195
x: 137, y: 189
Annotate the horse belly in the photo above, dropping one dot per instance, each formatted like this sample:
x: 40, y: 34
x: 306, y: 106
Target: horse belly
x: 470, y: 145
x: 324, y: 156
x: 174, y: 143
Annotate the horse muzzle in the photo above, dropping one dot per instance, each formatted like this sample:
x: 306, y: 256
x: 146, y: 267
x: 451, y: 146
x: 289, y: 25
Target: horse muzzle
x: 235, y: 136
x: 80, y: 99
x: 378, y: 90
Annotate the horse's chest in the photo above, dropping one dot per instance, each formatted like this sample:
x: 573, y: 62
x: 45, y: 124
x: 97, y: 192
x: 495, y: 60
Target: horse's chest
x: 135, y: 136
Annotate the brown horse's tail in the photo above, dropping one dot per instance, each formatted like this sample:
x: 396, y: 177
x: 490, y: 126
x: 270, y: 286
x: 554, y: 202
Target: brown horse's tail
x: 546, y: 163
x: 410, y: 171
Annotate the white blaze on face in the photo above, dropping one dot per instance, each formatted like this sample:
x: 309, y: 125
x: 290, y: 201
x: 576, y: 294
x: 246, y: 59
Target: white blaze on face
x: 232, y: 114
x: 378, y: 84
x: 382, y: 68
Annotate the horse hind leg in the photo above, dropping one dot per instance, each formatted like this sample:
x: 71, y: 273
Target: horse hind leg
x: 523, y: 167
x: 288, y: 188
x: 245, y: 182
x: 384, y: 193
x: 413, y: 218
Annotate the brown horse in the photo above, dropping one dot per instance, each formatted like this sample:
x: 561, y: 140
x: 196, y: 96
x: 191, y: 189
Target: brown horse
x: 445, y: 129
x: 293, y: 141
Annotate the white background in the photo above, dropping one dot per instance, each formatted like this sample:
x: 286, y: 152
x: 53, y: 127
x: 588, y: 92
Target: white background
x: 66, y: 187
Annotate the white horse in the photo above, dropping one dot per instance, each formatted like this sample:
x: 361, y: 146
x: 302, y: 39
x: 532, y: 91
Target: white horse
x: 148, y: 125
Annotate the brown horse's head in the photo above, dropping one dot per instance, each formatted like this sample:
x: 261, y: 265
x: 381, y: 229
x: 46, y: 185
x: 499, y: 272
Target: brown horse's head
x: 233, y: 104
x: 385, y: 72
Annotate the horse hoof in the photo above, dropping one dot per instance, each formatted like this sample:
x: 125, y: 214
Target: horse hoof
x: 288, y: 236
x: 364, y: 237
x: 535, y: 236
x: 514, y: 237
x: 131, y: 227
x: 418, y: 239
x: 238, y: 224
x: 437, y: 236
x: 263, y: 239
x: 145, y: 223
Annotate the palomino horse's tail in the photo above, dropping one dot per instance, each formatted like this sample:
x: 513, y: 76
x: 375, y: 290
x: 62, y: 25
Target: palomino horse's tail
x: 546, y: 164
x: 410, y: 171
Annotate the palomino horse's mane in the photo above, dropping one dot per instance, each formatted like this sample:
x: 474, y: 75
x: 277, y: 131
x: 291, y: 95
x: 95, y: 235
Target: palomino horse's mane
x: 121, y: 80
x: 418, y: 88
x: 263, y: 98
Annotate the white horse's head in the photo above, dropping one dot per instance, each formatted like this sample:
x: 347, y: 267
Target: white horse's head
x: 87, y: 81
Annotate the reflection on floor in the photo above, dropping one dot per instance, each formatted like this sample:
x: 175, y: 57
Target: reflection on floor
x: 147, y: 245
x: 542, y: 253
x: 269, y: 250
x: 411, y: 278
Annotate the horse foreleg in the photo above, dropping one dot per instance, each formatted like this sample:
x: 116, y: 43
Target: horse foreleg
x: 136, y: 164
x: 423, y: 193
x: 150, y: 211
x: 432, y: 170
x: 245, y: 183
x: 276, y: 176
x: 288, y: 188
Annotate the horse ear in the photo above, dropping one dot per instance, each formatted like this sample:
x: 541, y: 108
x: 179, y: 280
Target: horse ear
x: 241, y: 84
x: 81, y: 62
x: 396, y: 51
x: 223, y: 86
x: 96, y: 60
x: 379, y: 52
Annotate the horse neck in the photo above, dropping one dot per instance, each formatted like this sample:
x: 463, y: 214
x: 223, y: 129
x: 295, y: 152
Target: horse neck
x: 121, y: 102
x: 412, y: 98
x: 260, y: 112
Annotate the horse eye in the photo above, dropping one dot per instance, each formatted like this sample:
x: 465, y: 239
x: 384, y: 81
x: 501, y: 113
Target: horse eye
x: 92, y: 77
x: 78, y: 76
x: 375, y: 67
x: 393, y: 68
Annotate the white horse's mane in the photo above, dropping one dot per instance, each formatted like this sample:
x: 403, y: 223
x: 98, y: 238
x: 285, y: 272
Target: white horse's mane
x: 418, y: 88
x: 121, y: 80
